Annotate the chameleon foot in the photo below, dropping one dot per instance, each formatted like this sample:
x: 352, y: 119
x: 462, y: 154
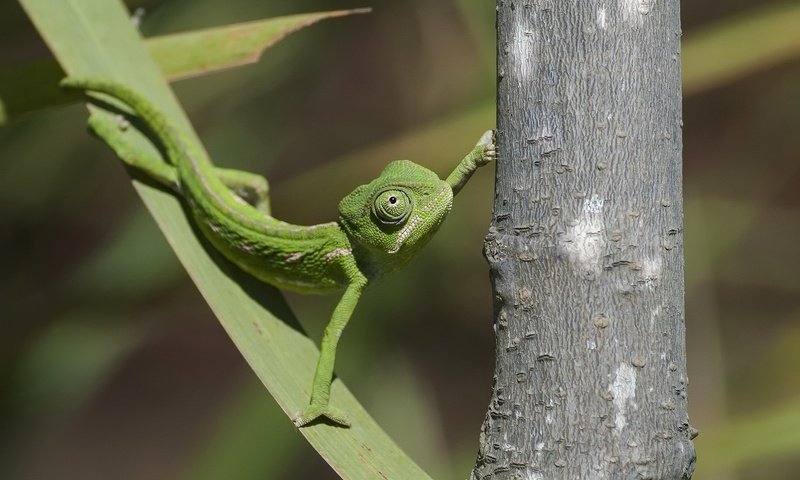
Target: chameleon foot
x: 314, y: 412
x: 490, y: 149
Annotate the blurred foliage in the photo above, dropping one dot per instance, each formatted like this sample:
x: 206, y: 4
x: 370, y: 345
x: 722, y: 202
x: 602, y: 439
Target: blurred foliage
x: 723, y: 51
x: 112, y: 367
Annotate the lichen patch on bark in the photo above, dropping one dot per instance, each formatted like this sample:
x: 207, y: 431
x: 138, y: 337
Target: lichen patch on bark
x: 583, y: 242
x: 623, y: 388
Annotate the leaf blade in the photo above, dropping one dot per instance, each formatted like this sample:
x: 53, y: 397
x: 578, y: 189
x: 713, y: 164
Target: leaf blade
x: 33, y: 86
x: 198, y: 52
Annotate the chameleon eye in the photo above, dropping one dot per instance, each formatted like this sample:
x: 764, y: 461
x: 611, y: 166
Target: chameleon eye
x: 391, y: 207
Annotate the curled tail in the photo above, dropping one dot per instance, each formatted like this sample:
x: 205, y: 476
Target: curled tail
x: 216, y: 195
x: 160, y: 125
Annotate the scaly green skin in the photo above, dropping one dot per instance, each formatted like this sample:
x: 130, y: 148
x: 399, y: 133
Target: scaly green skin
x: 381, y: 225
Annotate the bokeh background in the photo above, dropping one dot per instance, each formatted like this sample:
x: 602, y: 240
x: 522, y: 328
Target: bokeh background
x: 113, y: 367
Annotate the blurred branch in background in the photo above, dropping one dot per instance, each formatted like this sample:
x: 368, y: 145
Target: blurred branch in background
x: 733, y: 48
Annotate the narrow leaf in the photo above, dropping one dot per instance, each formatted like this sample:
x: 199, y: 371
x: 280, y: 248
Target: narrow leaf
x: 34, y: 85
x: 198, y: 52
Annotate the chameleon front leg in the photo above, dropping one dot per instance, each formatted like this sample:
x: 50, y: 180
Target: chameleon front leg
x: 321, y: 386
x: 483, y: 153
x: 251, y: 187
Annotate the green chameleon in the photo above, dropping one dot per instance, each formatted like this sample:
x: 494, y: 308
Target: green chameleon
x: 381, y: 225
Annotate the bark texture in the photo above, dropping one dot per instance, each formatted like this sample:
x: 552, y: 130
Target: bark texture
x: 586, y: 245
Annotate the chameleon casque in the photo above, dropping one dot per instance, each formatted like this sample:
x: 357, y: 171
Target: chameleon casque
x: 381, y: 225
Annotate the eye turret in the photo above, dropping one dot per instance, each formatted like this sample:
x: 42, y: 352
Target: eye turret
x: 392, y: 207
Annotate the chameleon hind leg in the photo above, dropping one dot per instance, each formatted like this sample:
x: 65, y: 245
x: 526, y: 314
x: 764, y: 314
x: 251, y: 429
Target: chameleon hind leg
x: 250, y: 187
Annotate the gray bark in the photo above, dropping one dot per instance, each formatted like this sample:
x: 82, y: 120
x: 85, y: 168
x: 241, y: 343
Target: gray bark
x: 586, y: 245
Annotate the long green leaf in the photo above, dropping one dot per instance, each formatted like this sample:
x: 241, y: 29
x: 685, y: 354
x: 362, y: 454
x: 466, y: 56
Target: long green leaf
x: 96, y: 38
x: 33, y: 86
x: 198, y: 52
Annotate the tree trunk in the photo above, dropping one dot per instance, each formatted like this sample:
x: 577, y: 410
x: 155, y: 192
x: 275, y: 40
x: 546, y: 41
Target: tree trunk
x: 586, y: 245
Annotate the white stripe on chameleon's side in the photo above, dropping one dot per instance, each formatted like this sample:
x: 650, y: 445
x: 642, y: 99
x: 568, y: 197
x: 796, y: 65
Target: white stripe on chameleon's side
x: 339, y: 252
x: 294, y: 257
x: 294, y: 282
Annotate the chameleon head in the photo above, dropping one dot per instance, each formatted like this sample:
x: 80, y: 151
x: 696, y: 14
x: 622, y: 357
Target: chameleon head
x: 392, y: 217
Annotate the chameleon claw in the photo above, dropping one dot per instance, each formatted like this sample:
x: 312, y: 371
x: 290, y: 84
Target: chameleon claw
x: 489, y: 155
x: 315, y: 412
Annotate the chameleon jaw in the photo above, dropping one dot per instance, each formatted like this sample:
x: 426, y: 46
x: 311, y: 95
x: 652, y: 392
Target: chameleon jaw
x: 440, y: 202
x: 406, y: 232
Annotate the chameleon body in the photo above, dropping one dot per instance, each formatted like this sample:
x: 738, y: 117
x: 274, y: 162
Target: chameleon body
x: 381, y: 225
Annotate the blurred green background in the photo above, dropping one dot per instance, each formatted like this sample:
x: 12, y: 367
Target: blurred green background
x: 112, y: 366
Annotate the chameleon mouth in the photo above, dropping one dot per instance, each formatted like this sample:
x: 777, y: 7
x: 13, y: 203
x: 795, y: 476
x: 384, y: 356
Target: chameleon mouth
x: 427, y: 217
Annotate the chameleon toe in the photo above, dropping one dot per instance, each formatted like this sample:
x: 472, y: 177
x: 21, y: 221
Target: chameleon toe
x: 313, y: 413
